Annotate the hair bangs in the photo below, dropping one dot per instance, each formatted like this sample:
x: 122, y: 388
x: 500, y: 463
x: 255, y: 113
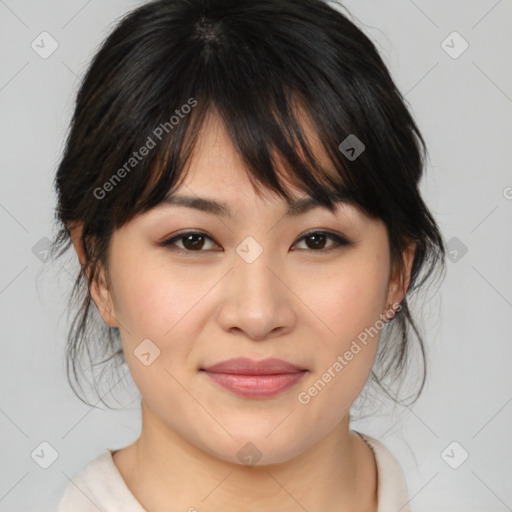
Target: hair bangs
x: 272, y: 125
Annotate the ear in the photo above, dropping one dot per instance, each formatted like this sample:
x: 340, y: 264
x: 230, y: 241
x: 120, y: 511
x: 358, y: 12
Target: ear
x: 99, y: 289
x: 399, y: 281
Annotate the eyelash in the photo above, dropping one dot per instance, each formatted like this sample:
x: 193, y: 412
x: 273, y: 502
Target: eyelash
x: 340, y: 241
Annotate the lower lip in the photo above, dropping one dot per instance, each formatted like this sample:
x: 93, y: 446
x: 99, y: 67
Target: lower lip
x: 256, y: 386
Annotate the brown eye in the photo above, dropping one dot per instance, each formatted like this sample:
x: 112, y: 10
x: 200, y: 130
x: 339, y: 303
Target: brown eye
x: 193, y: 241
x: 317, y: 241
x: 196, y: 241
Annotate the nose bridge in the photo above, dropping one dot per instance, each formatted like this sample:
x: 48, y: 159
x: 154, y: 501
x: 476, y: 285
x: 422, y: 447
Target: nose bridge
x: 254, y: 281
x: 257, y: 302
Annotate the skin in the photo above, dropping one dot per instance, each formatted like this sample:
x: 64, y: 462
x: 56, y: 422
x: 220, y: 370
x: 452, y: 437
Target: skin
x: 293, y: 302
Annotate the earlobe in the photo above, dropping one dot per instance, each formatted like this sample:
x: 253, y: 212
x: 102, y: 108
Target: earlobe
x: 408, y: 256
x: 99, y: 290
x: 399, y: 283
x: 102, y: 297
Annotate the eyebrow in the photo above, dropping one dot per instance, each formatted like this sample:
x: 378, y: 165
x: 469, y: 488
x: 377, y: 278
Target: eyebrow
x: 295, y: 208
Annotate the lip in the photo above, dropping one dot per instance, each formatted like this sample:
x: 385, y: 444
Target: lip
x: 246, y: 366
x: 255, y: 379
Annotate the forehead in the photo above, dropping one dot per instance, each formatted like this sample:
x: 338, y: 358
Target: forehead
x: 217, y: 166
x: 216, y: 180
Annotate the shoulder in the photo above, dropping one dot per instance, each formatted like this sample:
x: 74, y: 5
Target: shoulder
x: 98, y: 486
x: 391, y: 486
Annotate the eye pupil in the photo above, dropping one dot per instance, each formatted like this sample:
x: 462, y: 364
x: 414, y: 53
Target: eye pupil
x: 191, y: 241
x: 318, y: 241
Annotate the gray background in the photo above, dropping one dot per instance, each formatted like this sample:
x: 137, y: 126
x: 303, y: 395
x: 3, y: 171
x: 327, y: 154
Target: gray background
x: 463, y: 106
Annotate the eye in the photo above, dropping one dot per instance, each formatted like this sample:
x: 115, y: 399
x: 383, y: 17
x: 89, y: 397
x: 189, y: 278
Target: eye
x: 192, y: 241
x: 197, y: 241
x: 316, y: 241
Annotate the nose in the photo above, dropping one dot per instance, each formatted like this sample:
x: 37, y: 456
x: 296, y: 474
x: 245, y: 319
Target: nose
x: 256, y: 300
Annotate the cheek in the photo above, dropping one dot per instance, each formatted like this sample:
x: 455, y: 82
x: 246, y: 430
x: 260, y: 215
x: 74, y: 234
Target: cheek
x: 154, y: 304
x: 344, y: 357
x: 349, y: 302
x: 165, y: 305
x: 350, y: 298
x: 150, y: 300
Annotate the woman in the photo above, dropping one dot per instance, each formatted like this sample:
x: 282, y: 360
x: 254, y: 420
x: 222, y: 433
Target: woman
x: 241, y: 186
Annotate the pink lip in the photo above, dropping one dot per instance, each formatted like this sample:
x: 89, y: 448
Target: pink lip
x: 255, y: 379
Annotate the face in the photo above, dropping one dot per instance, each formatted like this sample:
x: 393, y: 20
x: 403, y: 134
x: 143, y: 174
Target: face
x: 191, y: 288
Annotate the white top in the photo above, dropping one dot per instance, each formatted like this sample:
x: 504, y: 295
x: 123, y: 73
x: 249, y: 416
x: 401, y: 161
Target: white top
x: 100, y: 487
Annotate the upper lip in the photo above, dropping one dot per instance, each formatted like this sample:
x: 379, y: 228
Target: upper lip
x: 246, y: 366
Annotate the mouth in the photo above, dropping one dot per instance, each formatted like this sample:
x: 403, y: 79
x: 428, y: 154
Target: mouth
x: 255, y: 379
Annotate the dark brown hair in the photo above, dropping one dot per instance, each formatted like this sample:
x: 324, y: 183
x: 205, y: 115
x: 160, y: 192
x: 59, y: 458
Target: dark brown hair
x: 259, y: 64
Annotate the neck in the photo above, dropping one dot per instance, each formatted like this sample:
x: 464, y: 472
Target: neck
x: 165, y: 472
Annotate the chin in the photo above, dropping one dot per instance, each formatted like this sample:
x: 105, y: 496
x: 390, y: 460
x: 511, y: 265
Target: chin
x: 255, y: 449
